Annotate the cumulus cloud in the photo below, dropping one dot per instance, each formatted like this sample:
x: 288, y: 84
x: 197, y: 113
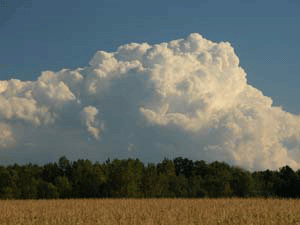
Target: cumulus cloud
x: 6, y: 135
x: 88, y: 115
x: 188, y: 97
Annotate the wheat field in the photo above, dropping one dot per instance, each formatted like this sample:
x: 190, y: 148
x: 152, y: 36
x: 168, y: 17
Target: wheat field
x: 149, y: 211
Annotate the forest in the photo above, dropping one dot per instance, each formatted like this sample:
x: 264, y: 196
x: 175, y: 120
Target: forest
x: 177, y: 178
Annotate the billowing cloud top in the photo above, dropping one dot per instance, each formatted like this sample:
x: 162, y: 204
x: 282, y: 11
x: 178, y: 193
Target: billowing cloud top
x: 188, y: 97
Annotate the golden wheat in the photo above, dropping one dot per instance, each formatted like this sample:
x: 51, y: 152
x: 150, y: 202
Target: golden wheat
x: 149, y: 211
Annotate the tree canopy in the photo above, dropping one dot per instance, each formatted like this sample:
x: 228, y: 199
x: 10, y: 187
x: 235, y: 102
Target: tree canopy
x: 177, y: 178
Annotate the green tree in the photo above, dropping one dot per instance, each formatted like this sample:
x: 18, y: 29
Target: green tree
x: 200, y: 168
x: 149, y: 181
x: 228, y: 192
x: 64, y: 187
x: 166, y: 170
x: 85, y: 179
x: 217, y: 178
x: 287, y: 186
x: 7, y: 193
x: 115, y: 179
x: 183, y: 166
x: 161, y: 189
x: 166, y: 167
x: 28, y: 188
x: 8, y: 183
x: 133, y: 175
x: 4, y: 178
x: 242, y: 183
x: 179, y: 186
x: 265, y: 183
x: 64, y: 166
x: 198, y: 187
x: 50, y: 171
x: 27, y: 183
x: 46, y: 190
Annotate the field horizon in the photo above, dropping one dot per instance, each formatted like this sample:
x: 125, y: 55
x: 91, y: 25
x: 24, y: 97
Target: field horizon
x: 151, y: 211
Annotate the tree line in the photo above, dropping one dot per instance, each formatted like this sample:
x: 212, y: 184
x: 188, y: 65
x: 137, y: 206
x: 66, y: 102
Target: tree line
x: 177, y: 178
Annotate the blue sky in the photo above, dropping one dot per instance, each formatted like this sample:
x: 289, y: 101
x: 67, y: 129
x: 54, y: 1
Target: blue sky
x: 36, y: 36
x: 50, y: 35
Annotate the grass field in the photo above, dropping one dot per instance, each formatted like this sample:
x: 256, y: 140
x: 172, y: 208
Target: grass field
x: 150, y: 211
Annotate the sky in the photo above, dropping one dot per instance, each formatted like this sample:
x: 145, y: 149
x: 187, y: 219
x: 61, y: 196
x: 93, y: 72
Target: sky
x: 86, y: 114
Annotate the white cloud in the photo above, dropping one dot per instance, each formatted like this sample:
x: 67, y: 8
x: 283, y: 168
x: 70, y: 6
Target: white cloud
x: 6, y: 136
x: 188, y: 97
x: 88, y: 119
